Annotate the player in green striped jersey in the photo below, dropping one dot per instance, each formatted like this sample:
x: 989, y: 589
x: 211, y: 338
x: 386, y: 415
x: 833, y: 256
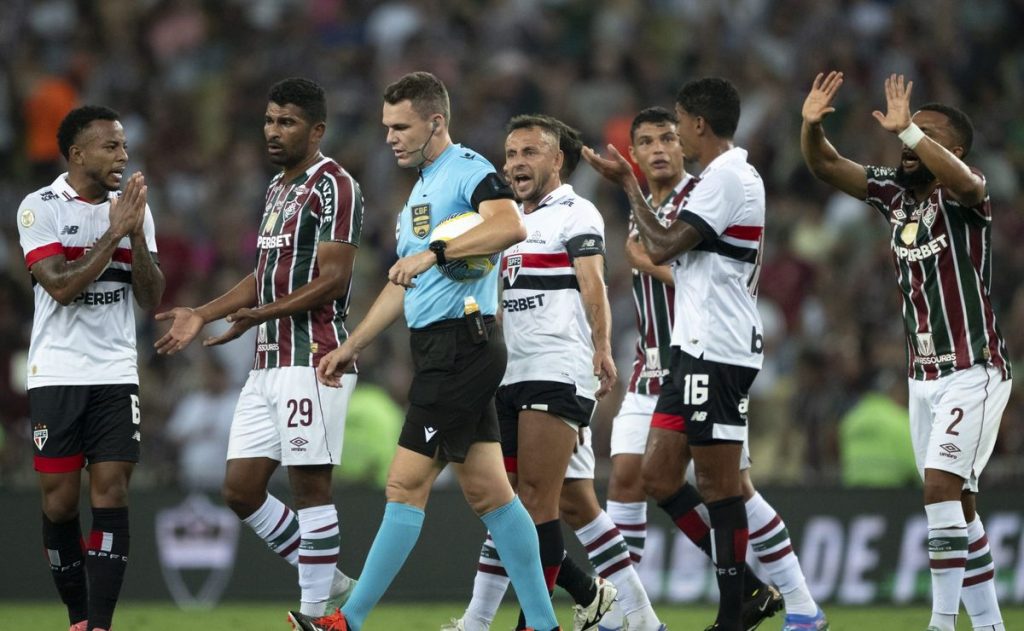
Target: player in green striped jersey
x: 940, y: 219
x: 297, y: 298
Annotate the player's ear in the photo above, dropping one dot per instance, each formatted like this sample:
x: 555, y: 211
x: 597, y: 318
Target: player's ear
x: 318, y: 131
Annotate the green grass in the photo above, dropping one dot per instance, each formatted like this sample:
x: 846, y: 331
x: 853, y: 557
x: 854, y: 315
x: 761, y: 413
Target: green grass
x: 134, y: 616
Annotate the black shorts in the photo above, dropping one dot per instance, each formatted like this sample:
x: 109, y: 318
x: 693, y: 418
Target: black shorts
x: 553, y: 397
x: 451, y: 398
x: 72, y: 425
x: 706, y: 400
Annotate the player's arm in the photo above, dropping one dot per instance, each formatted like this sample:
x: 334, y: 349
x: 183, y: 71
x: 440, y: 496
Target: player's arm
x: 662, y: 244
x: 147, y: 279
x: 590, y: 275
x: 639, y: 260
x: 383, y: 312
x: 821, y: 157
x: 334, y: 260
x: 187, y: 322
x: 964, y: 185
x: 65, y: 280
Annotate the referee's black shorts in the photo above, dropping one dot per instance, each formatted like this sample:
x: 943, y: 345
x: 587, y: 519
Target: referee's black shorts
x: 451, y: 398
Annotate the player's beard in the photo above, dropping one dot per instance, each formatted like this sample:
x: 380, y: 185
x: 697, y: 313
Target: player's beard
x: 920, y: 176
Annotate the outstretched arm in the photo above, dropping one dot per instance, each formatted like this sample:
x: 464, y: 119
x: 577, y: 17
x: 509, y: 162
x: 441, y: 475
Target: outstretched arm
x: 963, y: 184
x: 821, y: 157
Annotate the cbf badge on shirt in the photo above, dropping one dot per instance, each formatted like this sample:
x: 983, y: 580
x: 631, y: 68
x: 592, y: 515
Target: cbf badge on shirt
x: 421, y: 220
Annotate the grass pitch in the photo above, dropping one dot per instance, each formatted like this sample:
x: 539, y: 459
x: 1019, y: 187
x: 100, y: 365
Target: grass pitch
x: 136, y: 616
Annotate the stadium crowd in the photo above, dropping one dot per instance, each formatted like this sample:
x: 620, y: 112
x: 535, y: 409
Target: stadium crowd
x: 190, y: 80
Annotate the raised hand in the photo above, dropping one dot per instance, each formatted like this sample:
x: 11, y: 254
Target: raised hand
x: 185, y: 326
x: 128, y: 210
x: 818, y: 103
x: 897, y: 102
x: 615, y: 168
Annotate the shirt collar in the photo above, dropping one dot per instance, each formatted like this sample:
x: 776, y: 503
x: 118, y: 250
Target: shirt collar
x: 443, y: 157
x: 63, y: 188
x: 735, y: 154
x: 560, y: 193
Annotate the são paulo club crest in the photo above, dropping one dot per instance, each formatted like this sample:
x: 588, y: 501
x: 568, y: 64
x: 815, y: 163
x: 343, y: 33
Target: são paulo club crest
x: 513, y: 264
x: 196, y: 542
x: 39, y: 435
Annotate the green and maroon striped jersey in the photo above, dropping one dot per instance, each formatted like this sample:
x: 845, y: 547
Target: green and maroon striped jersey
x: 942, y: 251
x: 654, y: 302
x: 322, y: 204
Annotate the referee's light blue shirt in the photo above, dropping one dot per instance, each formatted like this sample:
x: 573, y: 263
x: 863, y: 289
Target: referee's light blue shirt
x: 443, y: 189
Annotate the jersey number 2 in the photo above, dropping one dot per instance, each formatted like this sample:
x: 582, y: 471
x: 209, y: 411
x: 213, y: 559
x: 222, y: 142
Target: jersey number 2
x: 958, y: 414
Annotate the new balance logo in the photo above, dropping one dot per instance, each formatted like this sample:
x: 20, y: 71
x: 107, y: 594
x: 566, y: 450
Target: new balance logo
x: 69, y: 230
x: 699, y: 416
x: 429, y: 433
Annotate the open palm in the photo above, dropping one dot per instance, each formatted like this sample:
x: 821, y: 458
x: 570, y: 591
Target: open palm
x: 818, y: 103
x: 897, y: 102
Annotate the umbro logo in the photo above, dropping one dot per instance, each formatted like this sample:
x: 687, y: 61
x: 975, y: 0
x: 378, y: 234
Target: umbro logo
x: 69, y: 230
x: 299, y: 441
x: 429, y: 432
x: 950, y: 448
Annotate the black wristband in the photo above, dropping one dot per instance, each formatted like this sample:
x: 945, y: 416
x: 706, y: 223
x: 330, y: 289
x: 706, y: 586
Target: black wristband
x: 437, y: 247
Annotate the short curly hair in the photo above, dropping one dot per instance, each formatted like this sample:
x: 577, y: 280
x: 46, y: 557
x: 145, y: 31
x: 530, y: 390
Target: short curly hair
x: 305, y: 94
x: 77, y: 120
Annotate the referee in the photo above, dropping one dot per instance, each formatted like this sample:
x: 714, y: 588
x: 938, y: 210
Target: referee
x: 451, y: 416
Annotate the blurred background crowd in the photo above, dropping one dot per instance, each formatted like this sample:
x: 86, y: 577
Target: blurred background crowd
x: 190, y: 79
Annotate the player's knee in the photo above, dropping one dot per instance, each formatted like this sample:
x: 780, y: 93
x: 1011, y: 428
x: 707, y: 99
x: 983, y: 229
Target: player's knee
x: 406, y: 491
x: 656, y: 484
x: 60, y: 509
x: 241, y: 500
x: 539, y: 498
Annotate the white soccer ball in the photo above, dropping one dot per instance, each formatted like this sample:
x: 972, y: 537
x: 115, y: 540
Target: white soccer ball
x: 462, y: 269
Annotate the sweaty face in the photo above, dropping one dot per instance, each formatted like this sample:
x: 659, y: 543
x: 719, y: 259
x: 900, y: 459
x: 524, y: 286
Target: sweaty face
x: 103, y: 153
x: 912, y: 172
x: 532, y: 161
x: 657, y: 151
x: 409, y: 134
x: 288, y: 133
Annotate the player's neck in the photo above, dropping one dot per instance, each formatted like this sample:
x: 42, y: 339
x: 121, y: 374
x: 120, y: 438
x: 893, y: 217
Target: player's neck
x: 293, y: 172
x: 88, y: 189
x: 533, y: 204
x: 711, y: 148
x: 431, y: 153
x: 661, y: 190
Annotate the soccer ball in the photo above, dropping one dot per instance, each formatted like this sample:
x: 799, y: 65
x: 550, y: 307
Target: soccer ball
x: 462, y: 269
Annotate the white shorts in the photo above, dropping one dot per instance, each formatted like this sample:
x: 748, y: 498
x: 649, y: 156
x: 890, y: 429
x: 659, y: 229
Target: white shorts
x: 581, y: 465
x: 285, y: 414
x: 954, y: 421
x: 633, y: 423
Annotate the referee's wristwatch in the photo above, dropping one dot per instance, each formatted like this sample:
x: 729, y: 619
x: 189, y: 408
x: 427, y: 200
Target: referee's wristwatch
x: 437, y: 247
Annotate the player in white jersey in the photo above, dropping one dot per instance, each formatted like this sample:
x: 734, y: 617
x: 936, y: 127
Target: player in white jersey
x: 90, y: 253
x: 297, y: 297
x: 555, y: 320
x: 714, y: 245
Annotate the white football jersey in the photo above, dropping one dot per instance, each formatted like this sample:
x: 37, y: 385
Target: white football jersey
x: 546, y: 329
x: 716, y: 283
x: 92, y: 340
